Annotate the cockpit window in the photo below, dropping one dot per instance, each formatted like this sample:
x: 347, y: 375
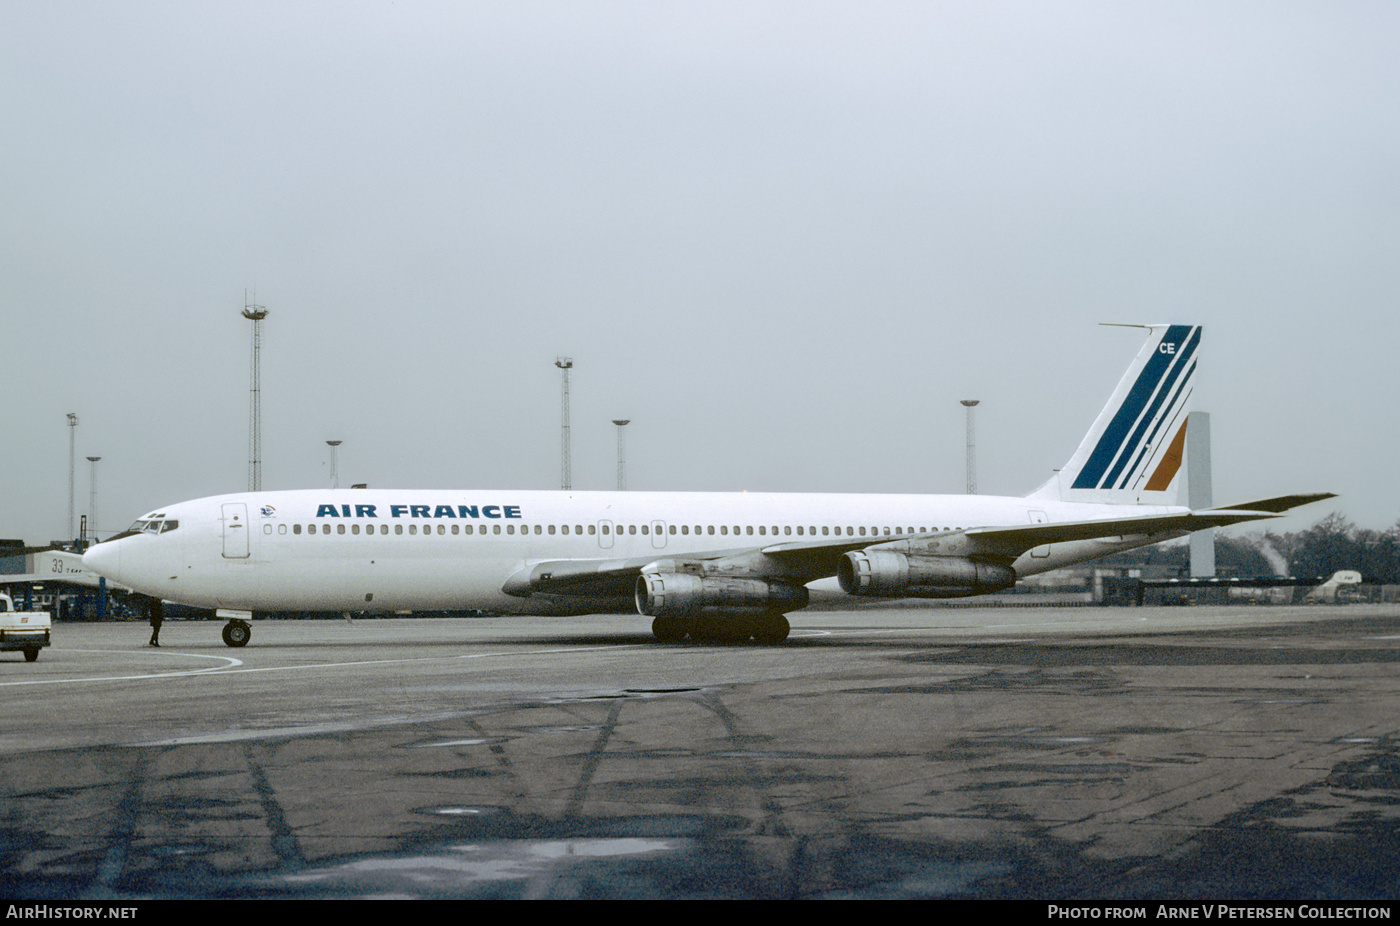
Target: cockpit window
x: 157, y: 525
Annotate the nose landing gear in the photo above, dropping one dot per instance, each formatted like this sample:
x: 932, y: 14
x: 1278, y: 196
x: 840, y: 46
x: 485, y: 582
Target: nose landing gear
x: 237, y: 633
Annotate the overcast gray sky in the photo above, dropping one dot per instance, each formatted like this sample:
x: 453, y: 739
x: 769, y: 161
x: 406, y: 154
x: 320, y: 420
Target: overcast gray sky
x: 785, y: 238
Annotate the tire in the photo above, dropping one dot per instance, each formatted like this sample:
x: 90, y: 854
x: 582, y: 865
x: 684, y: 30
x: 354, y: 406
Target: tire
x: 771, y: 629
x: 667, y: 630
x: 721, y: 631
x: 30, y: 655
x: 237, y: 633
x: 705, y: 630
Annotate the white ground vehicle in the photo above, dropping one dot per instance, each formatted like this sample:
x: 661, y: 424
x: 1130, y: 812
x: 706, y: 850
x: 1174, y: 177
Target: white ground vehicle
x: 23, y: 630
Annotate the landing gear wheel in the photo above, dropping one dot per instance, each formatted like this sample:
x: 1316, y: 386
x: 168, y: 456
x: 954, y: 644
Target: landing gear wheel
x: 719, y: 630
x: 237, y: 633
x: 703, y: 630
x: 668, y: 629
x: 771, y: 628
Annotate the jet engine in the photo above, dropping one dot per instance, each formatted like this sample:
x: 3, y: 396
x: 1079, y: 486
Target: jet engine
x: 887, y: 574
x: 685, y: 595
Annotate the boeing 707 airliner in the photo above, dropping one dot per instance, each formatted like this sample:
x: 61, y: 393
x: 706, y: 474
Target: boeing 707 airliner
x: 701, y: 565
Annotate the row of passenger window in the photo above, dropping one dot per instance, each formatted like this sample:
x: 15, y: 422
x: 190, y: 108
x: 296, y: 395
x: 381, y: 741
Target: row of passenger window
x: 761, y: 530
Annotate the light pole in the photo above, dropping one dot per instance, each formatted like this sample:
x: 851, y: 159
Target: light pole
x: 72, y: 429
x: 621, y: 454
x: 255, y: 314
x: 92, y: 499
x: 566, y: 479
x: 970, y: 404
x: 335, y: 463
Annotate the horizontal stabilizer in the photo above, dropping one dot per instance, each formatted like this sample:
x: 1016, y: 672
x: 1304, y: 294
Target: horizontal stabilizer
x: 1283, y: 502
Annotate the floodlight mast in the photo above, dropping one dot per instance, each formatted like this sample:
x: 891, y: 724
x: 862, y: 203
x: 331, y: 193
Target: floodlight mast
x: 566, y: 479
x: 335, y: 463
x: 92, y: 501
x: 72, y: 429
x: 970, y: 404
x: 621, y: 454
x: 255, y: 314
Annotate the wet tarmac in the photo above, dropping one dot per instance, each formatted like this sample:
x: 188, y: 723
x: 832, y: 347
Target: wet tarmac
x: 1044, y: 753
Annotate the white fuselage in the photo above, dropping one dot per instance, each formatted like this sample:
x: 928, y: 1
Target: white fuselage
x: 392, y: 550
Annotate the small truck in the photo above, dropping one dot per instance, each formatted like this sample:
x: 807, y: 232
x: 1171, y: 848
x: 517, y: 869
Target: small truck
x: 23, y: 630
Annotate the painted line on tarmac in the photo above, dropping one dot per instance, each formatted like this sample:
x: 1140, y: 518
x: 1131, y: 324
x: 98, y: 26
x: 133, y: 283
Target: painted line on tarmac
x: 389, y: 662
x: 229, y: 661
x: 232, y: 667
x: 990, y: 630
x: 313, y: 729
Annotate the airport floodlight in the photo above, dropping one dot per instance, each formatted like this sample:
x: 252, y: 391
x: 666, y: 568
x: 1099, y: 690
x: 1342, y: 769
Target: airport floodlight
x: 255, y: 314
x: 566, y: 479
x: 92, y: 498
x: 335, y: 462
x: 970, y: 404
x: 621, y: 453
x: 72, y: 429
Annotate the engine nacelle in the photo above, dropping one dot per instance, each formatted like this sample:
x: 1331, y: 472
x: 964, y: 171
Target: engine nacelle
x: 683, y: 595
x: 887, y: 574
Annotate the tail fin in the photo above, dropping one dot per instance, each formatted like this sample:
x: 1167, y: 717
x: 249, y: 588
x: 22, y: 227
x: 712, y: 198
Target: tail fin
x: 1133, y: 452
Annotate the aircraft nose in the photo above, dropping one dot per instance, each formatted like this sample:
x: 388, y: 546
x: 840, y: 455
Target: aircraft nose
x: 104, y: 558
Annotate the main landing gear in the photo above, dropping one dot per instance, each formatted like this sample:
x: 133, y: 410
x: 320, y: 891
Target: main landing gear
x: 237, y: 633
x: 769, y: 629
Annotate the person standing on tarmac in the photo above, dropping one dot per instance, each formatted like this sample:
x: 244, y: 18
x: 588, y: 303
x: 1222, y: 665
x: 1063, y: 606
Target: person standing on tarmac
x: 153, y: 609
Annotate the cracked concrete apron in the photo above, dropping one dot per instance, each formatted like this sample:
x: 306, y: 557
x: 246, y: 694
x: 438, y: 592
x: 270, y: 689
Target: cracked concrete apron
x: 1217, y: 763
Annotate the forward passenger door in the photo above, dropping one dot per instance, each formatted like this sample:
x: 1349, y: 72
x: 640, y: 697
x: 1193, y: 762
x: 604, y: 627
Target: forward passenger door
x: 235, y: 527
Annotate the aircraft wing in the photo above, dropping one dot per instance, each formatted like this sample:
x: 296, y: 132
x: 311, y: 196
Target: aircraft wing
x: 76, y: 580
x: 57, y: 567
x: 582, y: 577
x: 816, y: 559
x: 801, y: 562
x: 1013, y: 541
x: 1009, y: 542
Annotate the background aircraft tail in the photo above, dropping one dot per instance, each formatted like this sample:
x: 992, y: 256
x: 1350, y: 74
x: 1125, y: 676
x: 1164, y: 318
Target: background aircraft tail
x: 1133, y: 453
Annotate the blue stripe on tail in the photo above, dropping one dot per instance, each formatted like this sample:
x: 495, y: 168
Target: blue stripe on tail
x: 1153, y: 385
